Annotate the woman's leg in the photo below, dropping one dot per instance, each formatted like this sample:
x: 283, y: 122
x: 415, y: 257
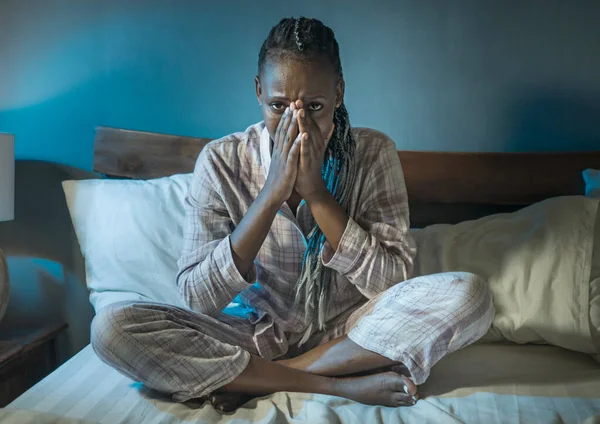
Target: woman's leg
x: 339, y: 357
x: 262, y: 377
x: 187, y: 356
x: 172, y: 350
x: 414, y: 323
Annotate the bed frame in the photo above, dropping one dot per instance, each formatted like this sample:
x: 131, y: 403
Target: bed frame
x: 442, y: 187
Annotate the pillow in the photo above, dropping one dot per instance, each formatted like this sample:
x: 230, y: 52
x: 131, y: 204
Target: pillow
x: 592, y: 182
x: 538, y: 264
x: 130, y: 233
x: 595, y: 289
x: 592, y: 189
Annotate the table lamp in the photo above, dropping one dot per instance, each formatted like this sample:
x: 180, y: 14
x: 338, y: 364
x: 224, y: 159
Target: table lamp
x: 7, y: 207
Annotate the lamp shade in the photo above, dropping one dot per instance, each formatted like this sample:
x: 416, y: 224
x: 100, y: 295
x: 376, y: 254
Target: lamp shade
x: 7, y: 177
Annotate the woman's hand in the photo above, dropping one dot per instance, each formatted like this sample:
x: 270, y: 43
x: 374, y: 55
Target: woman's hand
x: 284, y: 160
x: 309, y: 182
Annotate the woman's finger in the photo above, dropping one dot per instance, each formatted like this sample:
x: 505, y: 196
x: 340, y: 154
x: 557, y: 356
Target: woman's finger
x: 302, y: 120
x: 294, y: 154
x: 282, y: 126
x: 315, y: 136
x: 291, y: 133
x: 313, y: 127
x: 304, y: 148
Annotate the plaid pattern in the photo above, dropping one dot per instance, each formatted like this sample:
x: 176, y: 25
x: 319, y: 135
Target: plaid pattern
x: 189, y: 353
x: 376, y: 250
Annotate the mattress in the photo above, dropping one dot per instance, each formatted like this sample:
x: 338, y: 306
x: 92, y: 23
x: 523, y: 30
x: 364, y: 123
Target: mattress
x: 483, y: 383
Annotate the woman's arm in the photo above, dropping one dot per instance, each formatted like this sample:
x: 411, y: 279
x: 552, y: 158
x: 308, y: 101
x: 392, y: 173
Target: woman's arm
x: 217, y: 261
x: 208, y: 276
x: 250, y: 234
x: 377, y: 251
x: 330, y: 216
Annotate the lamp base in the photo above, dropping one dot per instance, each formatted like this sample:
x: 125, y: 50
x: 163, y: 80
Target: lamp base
x: 4, y: 285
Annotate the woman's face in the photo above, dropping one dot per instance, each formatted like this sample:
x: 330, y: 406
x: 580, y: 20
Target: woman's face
x: 285, y: 79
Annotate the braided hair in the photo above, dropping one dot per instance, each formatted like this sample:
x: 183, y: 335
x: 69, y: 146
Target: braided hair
x: 310, y: 39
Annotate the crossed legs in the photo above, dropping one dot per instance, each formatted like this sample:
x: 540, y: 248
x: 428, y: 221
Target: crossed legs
x: 414, y: 323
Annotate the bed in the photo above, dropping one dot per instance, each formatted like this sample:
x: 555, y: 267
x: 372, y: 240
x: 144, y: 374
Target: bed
x: 487, y: 382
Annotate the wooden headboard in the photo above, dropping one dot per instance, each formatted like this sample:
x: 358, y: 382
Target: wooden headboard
x: 442, y: 187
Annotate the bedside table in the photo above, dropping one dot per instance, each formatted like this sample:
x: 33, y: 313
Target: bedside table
x: 25, y: 359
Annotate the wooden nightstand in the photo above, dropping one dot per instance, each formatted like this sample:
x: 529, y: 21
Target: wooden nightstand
x: 25, y: 359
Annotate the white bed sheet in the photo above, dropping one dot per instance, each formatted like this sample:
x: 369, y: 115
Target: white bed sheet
x: 479, y: 384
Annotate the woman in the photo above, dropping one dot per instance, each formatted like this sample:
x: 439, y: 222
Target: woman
x: 304, y: 222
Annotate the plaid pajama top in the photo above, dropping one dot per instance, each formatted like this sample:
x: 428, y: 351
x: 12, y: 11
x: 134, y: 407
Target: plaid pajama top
x: 376, y: 250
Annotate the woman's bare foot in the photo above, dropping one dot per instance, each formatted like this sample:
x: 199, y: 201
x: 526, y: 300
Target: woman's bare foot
x: 227, y: 401
x: 385, y: 389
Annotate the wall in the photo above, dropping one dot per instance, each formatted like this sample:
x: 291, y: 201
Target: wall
x: 436, y: 75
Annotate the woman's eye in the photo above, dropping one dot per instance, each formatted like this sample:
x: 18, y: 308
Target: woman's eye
x: 315, y: 106
x: 277, y: 106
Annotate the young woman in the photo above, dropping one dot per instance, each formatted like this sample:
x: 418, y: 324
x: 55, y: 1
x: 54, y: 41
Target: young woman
x: 304, y: 222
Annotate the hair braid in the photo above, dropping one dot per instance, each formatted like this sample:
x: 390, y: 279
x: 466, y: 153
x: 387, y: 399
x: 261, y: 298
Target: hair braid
x: 308, y: 39
x: 297, y: 35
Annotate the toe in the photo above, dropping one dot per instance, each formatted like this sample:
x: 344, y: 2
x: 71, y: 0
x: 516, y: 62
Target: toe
x: 408, y: 386
x: 401, y: 399
x: 231, y: 405
x: 402, y: 384
x: 228, y: 402
x: 217, y: 399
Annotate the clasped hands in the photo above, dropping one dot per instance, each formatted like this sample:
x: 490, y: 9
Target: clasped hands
x: 297, y: 157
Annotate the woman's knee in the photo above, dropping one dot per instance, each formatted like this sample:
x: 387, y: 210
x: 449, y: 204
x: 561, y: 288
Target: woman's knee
x: 473, y: 294
x: 468, y: 285
x: 472, y: 283
x: 110, y: 326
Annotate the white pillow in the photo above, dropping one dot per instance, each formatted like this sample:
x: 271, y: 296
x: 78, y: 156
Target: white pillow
x: 130, y: 233
x: 592, y: 182
x: 538, y: 264
x: 592, y: 189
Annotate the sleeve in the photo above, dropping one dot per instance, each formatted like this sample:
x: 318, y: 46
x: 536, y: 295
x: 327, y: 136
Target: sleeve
x: 376, y: 251
x: 208, y: 278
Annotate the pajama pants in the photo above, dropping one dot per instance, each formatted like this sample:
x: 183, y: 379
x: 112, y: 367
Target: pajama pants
x: 188, y: 355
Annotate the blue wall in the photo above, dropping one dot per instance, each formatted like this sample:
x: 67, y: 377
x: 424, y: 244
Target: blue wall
x: 435, y: 75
